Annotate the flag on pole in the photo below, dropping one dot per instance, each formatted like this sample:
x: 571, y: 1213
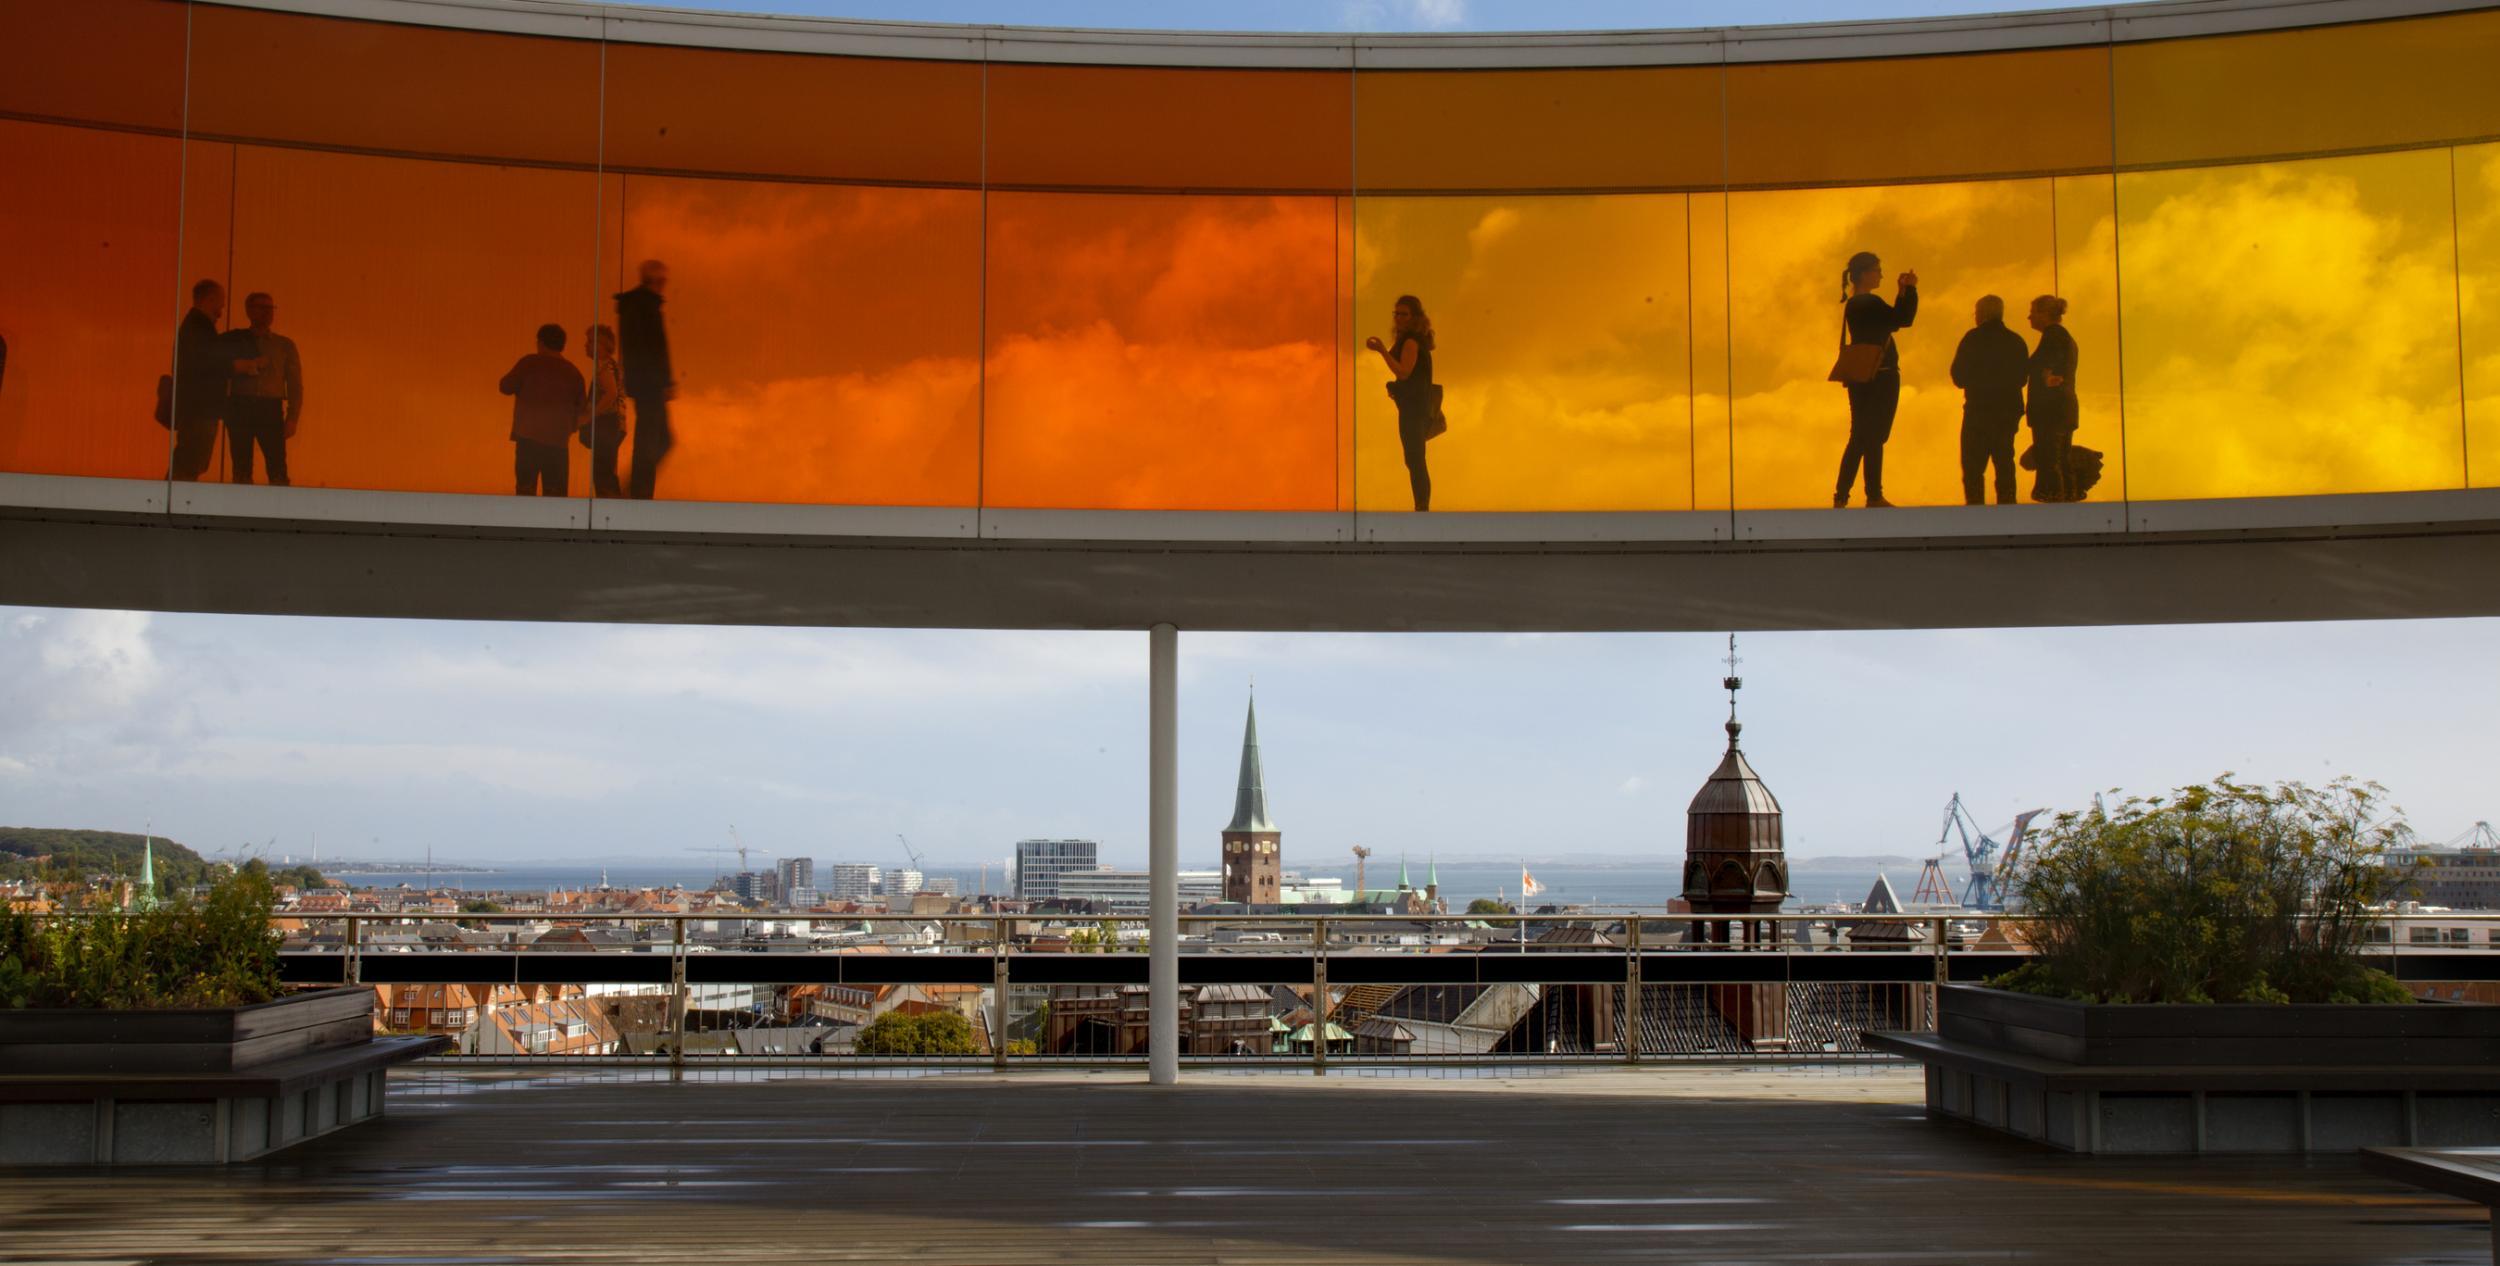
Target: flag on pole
x: 1528, y: 886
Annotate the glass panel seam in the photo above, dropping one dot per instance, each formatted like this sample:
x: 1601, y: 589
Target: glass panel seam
x: 2456, y: 284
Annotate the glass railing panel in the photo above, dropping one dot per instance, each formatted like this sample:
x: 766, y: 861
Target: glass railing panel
x: 1154, y: 129
x: 1561, y: 341
x: 855, y: 120
x: 1526, y: 130
x: 1169, y: 352
x: 2032, y: 112
x: 2478, y: 301
x: 2322, y: 90
x: 1788, y: 250
x: 2291, y: 328
x: 88, y: 235
x: 418, y: 205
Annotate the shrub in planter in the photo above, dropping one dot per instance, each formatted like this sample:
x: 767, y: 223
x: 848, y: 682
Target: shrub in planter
x: 2224, y: 892
x: 216, y: 952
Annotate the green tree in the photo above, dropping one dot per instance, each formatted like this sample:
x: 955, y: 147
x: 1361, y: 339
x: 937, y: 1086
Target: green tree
x: 1486, y: 905
x: 2224, y: 892
x: 929, y: 1033
x: 216, y: 952
x: 481, y: 905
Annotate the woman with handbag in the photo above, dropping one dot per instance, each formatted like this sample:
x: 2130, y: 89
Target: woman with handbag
x: 1409, y: 357
x: 1870, y: 367
x: 2049, y: 401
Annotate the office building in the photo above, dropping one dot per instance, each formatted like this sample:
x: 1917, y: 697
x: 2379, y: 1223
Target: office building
x: 1040, y: 863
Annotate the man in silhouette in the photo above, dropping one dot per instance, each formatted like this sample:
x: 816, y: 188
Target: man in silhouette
x: 263, y: 405
x: 547, y: 399
x: 1990, y: 367
x: 650, y: 381
x: 204, y: 364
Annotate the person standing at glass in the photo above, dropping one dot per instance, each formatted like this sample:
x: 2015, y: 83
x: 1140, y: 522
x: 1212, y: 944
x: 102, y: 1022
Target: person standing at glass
x: 1989, y: 368
x: 1409, y: 357
x: 204, y: 365
x: 2049, y: 401
x: 605, y: 433
x: 264, y: 404
x: 649, y: 378
x: 547, y: 399
x: 1872, y: 403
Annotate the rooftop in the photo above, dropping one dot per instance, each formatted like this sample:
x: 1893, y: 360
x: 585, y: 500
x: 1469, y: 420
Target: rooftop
x: 1720, y: 1164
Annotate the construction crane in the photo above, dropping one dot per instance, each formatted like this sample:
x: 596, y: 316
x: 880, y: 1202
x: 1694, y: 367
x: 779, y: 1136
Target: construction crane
x: 1360, y: 855
x: 740, y: 845
x: 2478, y: 836
x: 1983, y: 853
x: 912, y: 853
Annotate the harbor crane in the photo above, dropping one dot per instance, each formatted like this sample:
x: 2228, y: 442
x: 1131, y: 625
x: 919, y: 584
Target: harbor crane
x: 1361, y: 854
x: 1985, y: 856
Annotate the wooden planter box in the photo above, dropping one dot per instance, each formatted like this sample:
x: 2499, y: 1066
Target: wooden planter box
x: 198, y: 1086
x: 2219, y: 1078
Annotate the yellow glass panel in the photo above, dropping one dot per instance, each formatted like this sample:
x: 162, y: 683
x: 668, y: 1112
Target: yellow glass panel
x: 2087, y: 278
x: 2363, y: 86
x: 2291, y: 328
x: 1538, y: 129
x: 87, y: 307
x: 826, y: 339
x: 1918, y: 118
x: 1162, y: 352
x: 2478, y: 257
x: 1706, y: 235
x: 1787, y: 250
x: 1562, y: 330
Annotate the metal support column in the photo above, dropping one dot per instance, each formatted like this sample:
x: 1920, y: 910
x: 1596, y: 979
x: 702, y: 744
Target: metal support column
x: 677, y: 999
x: 998, y: 995
x: 1630, y: 1036
x: 1319, y: 996
x: 1163, y: 856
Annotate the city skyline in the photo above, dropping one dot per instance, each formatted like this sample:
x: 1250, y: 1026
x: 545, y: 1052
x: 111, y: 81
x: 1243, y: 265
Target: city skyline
x: 583, y: 744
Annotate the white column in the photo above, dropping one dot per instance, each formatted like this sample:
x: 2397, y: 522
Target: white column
x: 1163, y: 857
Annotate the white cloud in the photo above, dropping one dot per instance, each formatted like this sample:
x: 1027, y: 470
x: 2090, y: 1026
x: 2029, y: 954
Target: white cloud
x: 1403, y: 15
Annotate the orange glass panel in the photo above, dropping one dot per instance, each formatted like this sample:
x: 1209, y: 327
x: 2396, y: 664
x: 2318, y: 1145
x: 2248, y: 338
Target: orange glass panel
x: 409, y: 287
x: 1786, y: 252
x: 776, y: 114
x: 86, y: 307
x: 1918, y: 118
x: 2291, y: 328
x: 100, y: 61
x: 258, y: 75
x: 1538, y: 129
x: 1161, y: 352
x: 1562, y: 330
x: 825, y: 338
x: 2363, y: 86
x: 1155, y: 129
x: 2478, y: 298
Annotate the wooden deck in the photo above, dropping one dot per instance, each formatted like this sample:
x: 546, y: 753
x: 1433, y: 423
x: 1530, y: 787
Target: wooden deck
x: 1584, y: 1166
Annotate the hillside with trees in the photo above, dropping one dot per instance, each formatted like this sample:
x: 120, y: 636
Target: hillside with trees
x: 66, y: 855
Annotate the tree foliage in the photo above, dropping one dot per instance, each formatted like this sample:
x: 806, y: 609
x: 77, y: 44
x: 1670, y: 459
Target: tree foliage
x: 1486, y: 905
x: 62, y: 855
x: 927, y: 1033
x: 217, y: 952
x: 2224, y: 892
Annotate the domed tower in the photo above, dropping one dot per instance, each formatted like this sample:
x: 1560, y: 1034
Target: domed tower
x: 1735, y: 863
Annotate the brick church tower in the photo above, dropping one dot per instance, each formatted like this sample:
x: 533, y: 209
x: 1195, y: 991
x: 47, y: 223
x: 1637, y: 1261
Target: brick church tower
x: 1254, y: 867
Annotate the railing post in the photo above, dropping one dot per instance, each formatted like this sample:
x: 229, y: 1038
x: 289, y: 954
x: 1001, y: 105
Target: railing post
x: 1319, y: 995
x: 353, y: 947
x: 998, y: 988
x: 1631, y: 1036
x: 677, y: 999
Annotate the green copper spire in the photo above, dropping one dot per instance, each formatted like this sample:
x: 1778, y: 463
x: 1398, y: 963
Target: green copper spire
x: 1403, y: 885
x: 146, y: 897
x: 1432, y: 877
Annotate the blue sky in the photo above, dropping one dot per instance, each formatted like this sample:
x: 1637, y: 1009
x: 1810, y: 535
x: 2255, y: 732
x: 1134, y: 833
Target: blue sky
x: 500, y: 742
x: 1367, y: 15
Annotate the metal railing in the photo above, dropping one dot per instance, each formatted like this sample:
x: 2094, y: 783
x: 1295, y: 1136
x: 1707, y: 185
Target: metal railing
x: 1256, y: 990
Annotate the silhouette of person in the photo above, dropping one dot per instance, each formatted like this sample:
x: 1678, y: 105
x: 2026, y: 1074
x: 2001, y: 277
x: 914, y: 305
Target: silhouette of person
x: 2049, y: 401
x: 547, y: 399
x: 1872, y: 403
x: 1989, y: 367
x: 1409, y: 357
x: 604, y: 434
x: 203, y: 366
x: 264, y: 404
x: 650, y: 380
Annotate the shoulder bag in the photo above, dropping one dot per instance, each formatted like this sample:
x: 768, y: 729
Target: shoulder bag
x: 1858, y: 362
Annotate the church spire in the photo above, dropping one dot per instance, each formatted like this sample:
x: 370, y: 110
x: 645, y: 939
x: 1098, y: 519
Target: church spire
x: 146, y: 896
x: 1250, y: 800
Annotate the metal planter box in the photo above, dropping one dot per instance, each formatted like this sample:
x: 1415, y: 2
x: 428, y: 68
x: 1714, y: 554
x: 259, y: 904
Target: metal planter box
x: 2218, y: 1078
